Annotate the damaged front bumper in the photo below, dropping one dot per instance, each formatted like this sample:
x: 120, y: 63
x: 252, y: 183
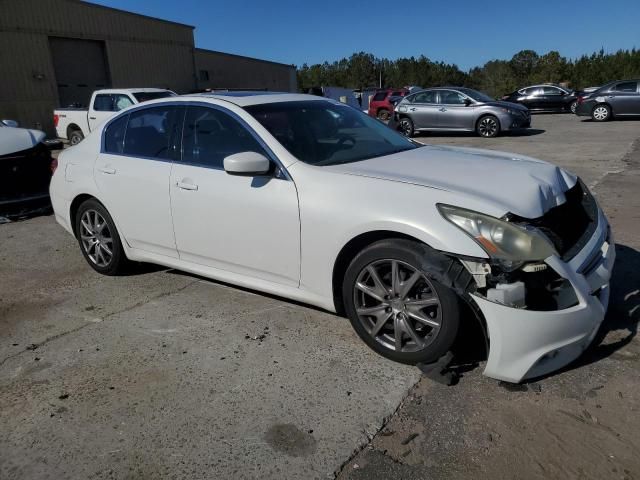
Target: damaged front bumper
x: 526, y: 343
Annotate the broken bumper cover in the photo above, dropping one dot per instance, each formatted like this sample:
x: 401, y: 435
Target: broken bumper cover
x: 527, y: 344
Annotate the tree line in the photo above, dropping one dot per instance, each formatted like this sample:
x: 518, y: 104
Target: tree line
x: 497, y: 77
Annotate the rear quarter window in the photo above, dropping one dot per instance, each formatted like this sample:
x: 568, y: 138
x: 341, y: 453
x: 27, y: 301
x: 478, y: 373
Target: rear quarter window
x: 114, y: 135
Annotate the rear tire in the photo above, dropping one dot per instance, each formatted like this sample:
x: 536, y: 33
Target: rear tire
x: 75, y: 137
x: 99, y: 239
x: 601, y: 113
x: 415, y: 319
x: 405, y: 125
x: 488, y: 126
x: 383, y: 114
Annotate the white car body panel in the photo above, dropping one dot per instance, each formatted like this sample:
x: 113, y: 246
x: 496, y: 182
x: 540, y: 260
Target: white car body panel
x: 246, y: 225
x: 283, y: 235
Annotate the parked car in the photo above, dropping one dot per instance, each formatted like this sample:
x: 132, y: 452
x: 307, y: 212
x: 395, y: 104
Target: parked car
x: 458, y: 109
x: 312, y: 200
x: 544, y: 98
x: 25, y: 170
x: 380, y: 105
x: 615, y: 99
x: 74, y: 124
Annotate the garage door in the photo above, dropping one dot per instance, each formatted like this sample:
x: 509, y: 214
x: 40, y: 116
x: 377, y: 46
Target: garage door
x: 80, y: 67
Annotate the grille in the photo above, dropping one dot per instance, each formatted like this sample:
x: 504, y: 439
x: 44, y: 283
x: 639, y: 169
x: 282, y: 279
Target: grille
x: 569, y: 226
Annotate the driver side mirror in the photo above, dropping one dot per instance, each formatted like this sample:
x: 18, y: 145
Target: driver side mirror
x: 10, y: 123
x: 247, y: 163
x: 467, y: 102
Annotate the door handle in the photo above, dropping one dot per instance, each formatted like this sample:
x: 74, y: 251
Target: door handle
x: 443, y: 109
x: 92, y: 118
x: 186, y: 186
x: 107, y: 170
x: 413, y: 109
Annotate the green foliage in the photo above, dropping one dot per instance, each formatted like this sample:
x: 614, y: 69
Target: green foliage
x: 496, y: 77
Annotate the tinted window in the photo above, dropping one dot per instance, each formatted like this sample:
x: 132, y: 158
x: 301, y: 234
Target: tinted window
x: 152, y: 132
x: 449, y: 97
x: 378, y: 97
x: 396, y: 94
x: 325, y: 133
x: 551, y: 91
x: 103, y: 103
x: 424, y: 97
x: 532, y: 91
x: 114, y: 135
x: 210, y: 135
x: 626, y: 87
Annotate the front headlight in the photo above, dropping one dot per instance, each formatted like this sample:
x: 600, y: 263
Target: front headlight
x: 511, y: 245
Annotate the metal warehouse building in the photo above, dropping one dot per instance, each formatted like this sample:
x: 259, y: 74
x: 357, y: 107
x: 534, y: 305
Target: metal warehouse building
x: 54, y: 53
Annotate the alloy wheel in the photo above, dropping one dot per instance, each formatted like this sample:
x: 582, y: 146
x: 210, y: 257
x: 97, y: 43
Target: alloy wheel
x: 397, y: 305
x: 600, y: 113
x: 405, y: 127
x: 96, y: 238
x: 488, y: 127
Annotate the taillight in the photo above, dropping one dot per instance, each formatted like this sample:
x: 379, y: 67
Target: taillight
x: 54, y: 165
x: 55, y: 120
x: 580, y: 99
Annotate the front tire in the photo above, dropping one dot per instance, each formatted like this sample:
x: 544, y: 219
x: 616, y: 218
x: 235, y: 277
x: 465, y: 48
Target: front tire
x: 488, y: 126
x: 573, y: 106
x: 601, y: 113
x: 396, y: 306
x: 406, y: 127
x: 99, y: 239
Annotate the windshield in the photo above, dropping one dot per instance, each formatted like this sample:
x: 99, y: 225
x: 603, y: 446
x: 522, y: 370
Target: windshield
x: 476, y: 95
x: 146, y: 96
x: 325, y: 133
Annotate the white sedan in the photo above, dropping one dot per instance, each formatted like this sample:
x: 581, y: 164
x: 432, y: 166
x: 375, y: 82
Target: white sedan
x: 309, y: 199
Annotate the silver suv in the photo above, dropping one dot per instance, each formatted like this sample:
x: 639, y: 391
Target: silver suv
x: 458, y: 109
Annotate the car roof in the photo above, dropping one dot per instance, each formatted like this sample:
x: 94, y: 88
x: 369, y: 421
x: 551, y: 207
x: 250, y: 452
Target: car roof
x: 132, y: 90
x: 248, y: 98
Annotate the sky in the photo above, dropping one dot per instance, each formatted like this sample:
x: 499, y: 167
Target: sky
x: 467, y: 33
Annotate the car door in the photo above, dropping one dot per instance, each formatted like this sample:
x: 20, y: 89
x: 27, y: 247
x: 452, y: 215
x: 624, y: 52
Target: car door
x: 132, y: 172
x: 532, y: 98
x: 624, y: 98
x: 423, y: 109
x: 104, y: 107
x: 552, y: 98
x: 242, y: 224
x: 454, y: 113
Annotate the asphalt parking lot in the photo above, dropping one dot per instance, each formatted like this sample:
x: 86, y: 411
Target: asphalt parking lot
x: 164, y: 374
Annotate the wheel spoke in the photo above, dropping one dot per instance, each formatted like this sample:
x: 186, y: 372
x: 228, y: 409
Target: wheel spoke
x: 380, y: 322
x: 413, y: 334
x: 380, y: 286
x: 406, y: 286
x: 397, y: 333
x: 370, y: 291
x: 422, y: 302
x: 106, y: 249
x: 86, y: 226
x: 395, y: 278
x: 416, y: 314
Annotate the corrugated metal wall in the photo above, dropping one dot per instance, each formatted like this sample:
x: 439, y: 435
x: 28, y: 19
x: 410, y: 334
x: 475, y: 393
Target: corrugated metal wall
x: 141, y: 51
x: 233, y: 71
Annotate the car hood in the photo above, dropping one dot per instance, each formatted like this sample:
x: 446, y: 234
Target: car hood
x: 18, y: 139
x: 504, y: 182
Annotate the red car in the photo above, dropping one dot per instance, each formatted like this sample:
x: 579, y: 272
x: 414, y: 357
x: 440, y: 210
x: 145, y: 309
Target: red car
x: 380, y: 105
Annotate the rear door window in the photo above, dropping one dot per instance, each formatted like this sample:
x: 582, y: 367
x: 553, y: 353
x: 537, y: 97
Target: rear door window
x: 450, y: 97
x: 551, y: 91
x: 380, y: 96
x: 153, y: 132
x: 425, y: 97
x: 628, y: 87
x: 210, y: 135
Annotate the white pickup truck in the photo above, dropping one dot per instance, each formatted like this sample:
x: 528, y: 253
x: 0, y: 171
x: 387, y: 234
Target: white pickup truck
x: 75, y: 123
